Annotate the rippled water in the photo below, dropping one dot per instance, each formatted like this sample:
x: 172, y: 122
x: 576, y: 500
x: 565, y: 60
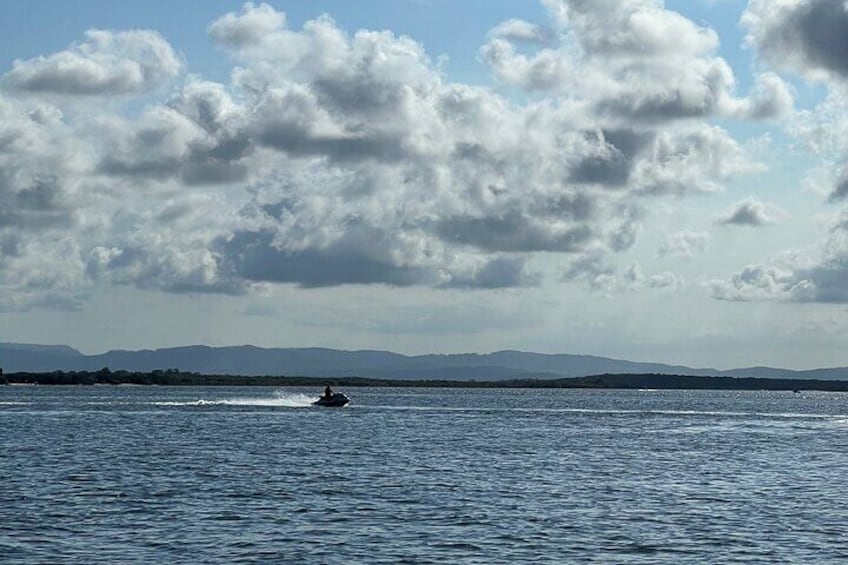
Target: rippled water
x: 143, y: 474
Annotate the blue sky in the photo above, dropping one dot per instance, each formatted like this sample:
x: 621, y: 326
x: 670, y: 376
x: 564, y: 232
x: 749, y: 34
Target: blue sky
x: 639, y: 179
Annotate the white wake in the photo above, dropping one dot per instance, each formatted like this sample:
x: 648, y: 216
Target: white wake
x: 280, y: 399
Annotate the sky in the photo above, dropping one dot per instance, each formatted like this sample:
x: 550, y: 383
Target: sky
x: 656, y: 181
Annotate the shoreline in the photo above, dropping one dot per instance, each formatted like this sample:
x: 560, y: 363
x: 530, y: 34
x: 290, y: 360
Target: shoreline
x: 647, y: 381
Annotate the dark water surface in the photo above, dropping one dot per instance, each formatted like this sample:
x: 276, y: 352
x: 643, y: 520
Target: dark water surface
x: 229, y: 475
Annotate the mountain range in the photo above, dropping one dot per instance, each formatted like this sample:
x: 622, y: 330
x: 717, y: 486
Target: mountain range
x: 322, y: 362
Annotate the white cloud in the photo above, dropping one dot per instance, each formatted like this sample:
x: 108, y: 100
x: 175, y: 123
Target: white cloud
x: 684, y: 244
x: 39, y: 164
x: 759, y: 282
x: 631, y: 28
x: 106, y: 63
x: 167, y: 143
x: 593, y: 268
x: 336, y: 158
x: 634, y: 61
x: 821, y: 129
x: 635, y: 279
x: 808, y: 38
x: 665, y: 279
x: 752, y: 212
x: 44, y: 272
x: 249, y: 27
x: 770, y: 98
x: 691, y: 161
x: 520, y: 30
x: 798, y: 277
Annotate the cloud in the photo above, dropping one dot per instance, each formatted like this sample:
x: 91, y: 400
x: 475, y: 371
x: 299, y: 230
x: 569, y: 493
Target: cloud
x: 825, y: 280
x: 354, y: 259
x: 163, y: 266
x: 611, y: 161
x: 499, y: 272
x: 43, y: 273
x: 334, y: 158
x: 591, y: 267
x: 821, y: 128
x: 666, y: 279
x: 520, y: 30
x: 840, y: 191
x: 512, y: 232
x: 298, y: 125
x: 801, y: 277
x: 634, y: 279
x: 40, y: 211
x: 696, y: 90
x: 34, y: 204
x: 759, y: 282
x: 106, y: 63
x: 601, y: 276
x: 770, y: 98
x: 807, y: 37
x: 800, y: 35
x: 690, y: 161
x: 38, y: 164
x: 684, y: 244
x: 751, y: 212
x: 632, y: 29
x: 361, y: 256
x: 633, y: 61
x: 247, y: 28
x: 168, y: 143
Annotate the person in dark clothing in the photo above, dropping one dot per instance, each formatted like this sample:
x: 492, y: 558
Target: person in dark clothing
x: 328, y: 392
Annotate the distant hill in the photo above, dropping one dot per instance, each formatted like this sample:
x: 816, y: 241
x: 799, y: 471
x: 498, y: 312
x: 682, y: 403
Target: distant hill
x: 38, y: 357
x: 322, y: 362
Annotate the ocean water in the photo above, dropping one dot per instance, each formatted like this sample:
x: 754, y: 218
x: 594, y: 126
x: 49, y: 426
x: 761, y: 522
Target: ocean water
x: 257, y: 475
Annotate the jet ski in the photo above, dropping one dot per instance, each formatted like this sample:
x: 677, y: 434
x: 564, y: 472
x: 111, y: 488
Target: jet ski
x: 337, y: 400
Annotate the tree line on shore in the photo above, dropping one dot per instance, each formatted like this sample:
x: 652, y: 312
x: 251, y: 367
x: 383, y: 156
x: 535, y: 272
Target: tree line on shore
x: 175, y: 377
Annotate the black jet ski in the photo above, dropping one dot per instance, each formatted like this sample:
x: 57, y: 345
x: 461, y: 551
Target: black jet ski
x: 337, y: 400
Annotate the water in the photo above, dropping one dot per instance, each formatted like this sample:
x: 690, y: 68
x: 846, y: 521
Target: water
x: 234, y: 475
